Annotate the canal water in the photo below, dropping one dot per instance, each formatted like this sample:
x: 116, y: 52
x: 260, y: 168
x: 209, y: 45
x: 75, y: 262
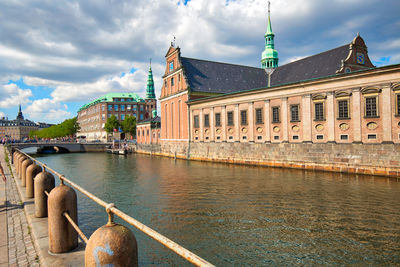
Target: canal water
x: 239, y: 215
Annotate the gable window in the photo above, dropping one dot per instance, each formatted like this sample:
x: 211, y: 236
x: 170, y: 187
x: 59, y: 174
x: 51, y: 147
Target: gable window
x: 294, y: 113
x: 343, y: 109
x: 371, y: 107
x: 319, y: 111
x: 171, y: 66
x: 275, y: 114
x: 230, y: 118
x: 196, y: 121
x: 243, y: 117
x: 259, y: 117
x: 206, y: 120
x: 217, y: 119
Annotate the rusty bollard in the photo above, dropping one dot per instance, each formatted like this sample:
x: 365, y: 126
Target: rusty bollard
x: 25, y: 164
x: 44, y: 181
x: 62, y: 236
x: 21, y: 159
x: 31, y: 172
x: 111, y: 245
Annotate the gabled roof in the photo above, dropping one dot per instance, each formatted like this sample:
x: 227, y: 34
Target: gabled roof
x: 215, y: 77
x: 151, y: 120
x: 316, y: 66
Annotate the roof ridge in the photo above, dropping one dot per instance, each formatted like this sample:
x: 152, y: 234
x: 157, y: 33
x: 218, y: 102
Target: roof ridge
x: 222, y: 63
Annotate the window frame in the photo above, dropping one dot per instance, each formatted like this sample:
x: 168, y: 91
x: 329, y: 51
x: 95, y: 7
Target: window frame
x: 259, y: 116
x: 218, y: 119
x: 278, y: 113
x: 319, y: 117
x: 206, y: 120
x: 243, y: 117
x: 230, y: 119
x: 298, y: 113
x: 338, y: 101
x: 196, y: 122
x: 376, y: 110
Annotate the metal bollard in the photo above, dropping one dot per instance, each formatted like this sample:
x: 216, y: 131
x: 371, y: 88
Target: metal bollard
x: 112, y: 245
x: 62, y: 236
x: 31, y: 172
x: 44, y: 181
x: 21, y: 159
x: 25, y: 165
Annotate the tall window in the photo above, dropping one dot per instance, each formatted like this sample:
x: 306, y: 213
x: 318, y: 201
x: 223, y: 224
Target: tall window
x: 196, y: 121
x: 294, y: 113
x: 217, y: 119
x: 116, y: 107
x: 172, y: 81
x: 319, y: 111
x: 398, y: 104
x: 122, y: 117
x: 275, y: 114
x: 370, y: 107
x: 206, y: 120
x: 109, y: 107
x: 343, y: 109
x: 128, y: 107
x: 122, y: 107
x: 141, y: 107
x: 171, y: 66
x: 243, y: 117
x: 230, y: 118
x: 103, y: 107
x: 259, y: 116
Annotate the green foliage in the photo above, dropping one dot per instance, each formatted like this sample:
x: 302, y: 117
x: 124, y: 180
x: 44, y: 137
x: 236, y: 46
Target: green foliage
x: 111, y: 124
x: 129, y: 125
x: 68, y: 127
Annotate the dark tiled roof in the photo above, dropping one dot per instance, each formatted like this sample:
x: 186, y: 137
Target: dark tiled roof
x: 215, y: 77
x: 316, y: 66
x: 155, y: 119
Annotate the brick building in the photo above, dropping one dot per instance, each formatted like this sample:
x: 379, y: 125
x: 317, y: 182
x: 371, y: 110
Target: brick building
x: 149, y: 131
x: 336, y: 96
x: 93, y: 116
x: 17, y: 129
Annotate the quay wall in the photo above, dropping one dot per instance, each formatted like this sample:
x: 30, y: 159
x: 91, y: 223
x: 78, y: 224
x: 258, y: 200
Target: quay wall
x: 373, y: 159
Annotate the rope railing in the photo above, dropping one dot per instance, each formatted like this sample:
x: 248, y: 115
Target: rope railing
x: 111, y: 209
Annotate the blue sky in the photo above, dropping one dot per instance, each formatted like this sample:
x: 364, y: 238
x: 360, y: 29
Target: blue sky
x: 61, y: 56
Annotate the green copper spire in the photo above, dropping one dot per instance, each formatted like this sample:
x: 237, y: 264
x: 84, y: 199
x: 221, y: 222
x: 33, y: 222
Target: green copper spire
x: 150, y: 85
x: 269, y: 57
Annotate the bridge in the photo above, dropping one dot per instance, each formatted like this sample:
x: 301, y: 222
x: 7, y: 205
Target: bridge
x: 63, y: 147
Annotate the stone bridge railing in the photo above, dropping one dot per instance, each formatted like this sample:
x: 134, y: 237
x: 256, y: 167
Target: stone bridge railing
x: 72, y: 147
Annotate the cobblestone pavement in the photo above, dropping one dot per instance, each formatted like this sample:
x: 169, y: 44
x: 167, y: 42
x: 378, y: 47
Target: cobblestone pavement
x: 21, y: 251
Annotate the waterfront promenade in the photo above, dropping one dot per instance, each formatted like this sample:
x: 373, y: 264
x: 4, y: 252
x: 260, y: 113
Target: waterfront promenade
x: 16, y: 245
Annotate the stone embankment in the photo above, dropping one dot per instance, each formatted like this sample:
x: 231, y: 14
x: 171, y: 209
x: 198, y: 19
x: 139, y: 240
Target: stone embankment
x: 371, y: 159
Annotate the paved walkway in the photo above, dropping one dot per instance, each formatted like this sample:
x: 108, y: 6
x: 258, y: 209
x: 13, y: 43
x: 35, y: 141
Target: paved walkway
x: 16, y: 246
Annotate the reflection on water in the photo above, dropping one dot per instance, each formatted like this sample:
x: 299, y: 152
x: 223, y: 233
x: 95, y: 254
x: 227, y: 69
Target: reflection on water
x: 242, y: 216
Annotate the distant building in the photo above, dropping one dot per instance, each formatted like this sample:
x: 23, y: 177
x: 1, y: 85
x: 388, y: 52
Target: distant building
x: 17, y: 129
x: 149, y: 131
x: 93, y: 116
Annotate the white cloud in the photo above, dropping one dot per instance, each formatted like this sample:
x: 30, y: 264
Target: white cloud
x: 47, y: 110
x: 11, y: 95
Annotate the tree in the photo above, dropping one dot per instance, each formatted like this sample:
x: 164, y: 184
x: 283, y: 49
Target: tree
x: 68, y: 127
x: 111, y: 124
x: 129, y: 125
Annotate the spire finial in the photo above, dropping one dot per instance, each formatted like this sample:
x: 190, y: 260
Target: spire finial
x: 150, y: 63
x: 269, y: 7
x: 173, y: 41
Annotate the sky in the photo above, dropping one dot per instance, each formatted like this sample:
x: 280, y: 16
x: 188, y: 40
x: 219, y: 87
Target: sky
x: 56, y: 56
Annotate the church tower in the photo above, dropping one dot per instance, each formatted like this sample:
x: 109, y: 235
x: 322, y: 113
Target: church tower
x: 20, y: 116
x: 151, y: 101
x: 150, y: 94
x: 269, y: 57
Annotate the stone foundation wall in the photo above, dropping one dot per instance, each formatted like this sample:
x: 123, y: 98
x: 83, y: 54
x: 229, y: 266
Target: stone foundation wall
x: 375, y: 159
